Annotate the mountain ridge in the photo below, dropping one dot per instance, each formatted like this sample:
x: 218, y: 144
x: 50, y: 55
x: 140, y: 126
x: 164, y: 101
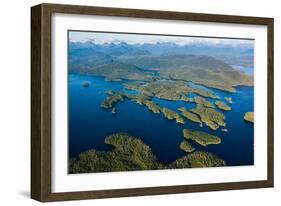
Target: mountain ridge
x: 124, y: 61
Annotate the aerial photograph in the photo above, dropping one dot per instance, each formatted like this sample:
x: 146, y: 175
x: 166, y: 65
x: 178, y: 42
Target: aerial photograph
x: 156, y: 102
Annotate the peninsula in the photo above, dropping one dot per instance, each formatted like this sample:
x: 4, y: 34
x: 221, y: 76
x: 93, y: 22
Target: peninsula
x: 111, y: 100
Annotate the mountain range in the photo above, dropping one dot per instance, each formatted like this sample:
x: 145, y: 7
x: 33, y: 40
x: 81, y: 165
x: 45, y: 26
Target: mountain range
x: 205, y: 64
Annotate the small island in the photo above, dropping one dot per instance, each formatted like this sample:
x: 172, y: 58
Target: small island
x: 221, y: 105
x: 211, y: 117
x: 229, y: 100
x: 86, y: 84
x: 185, y: 146
x: 249, y: 116
x: 113, y: 111
x: 201, y: 138
x: 189, y: 115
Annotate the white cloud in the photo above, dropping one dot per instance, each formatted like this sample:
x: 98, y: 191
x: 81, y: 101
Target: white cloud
x: 105, y: 37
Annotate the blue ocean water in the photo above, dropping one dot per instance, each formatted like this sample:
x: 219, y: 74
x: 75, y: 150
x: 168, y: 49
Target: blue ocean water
x: 89, y: 124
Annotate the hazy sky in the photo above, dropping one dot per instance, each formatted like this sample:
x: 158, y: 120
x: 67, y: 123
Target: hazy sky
x: 102, y: 37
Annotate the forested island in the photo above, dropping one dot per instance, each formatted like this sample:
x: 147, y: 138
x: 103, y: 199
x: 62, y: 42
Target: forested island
x: 201, y: 138
x: 211, y: 117
x: 131, y: 153
x: 185, y: 146
x: 222, y: 105
x: 189, y: 115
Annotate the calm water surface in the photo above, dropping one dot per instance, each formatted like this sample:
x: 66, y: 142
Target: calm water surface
x: 89, y: 124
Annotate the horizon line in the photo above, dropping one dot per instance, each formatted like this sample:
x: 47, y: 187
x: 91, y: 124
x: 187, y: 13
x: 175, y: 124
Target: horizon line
x: 83, y: 36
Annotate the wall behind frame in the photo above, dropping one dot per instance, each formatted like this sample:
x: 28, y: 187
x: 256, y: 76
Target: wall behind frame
x: 15, y: 101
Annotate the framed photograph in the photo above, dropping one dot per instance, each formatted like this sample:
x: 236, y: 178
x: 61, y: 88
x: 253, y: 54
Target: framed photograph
x: 132, y: 102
